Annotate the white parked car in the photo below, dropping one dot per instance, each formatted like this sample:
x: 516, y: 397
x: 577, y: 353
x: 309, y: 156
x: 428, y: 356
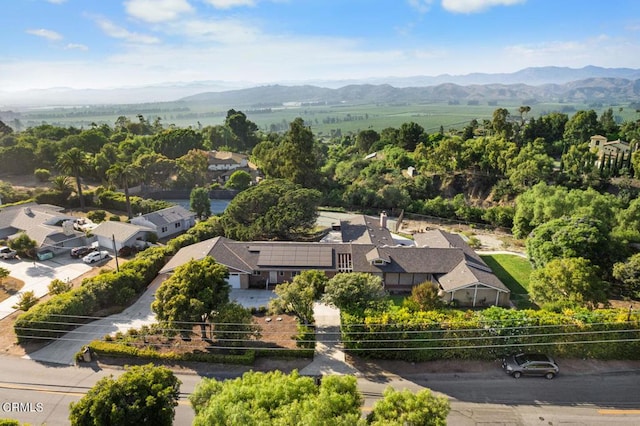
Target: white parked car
x: 7, y: 253
x: 95, y: 256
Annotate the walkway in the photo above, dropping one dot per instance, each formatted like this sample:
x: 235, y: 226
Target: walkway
x: 329, y: 357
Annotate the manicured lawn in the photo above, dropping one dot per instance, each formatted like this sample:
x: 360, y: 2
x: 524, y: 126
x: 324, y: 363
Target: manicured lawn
x: 514, y: 272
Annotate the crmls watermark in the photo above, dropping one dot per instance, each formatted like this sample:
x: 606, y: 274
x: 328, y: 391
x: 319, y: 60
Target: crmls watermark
x: 22, y: 407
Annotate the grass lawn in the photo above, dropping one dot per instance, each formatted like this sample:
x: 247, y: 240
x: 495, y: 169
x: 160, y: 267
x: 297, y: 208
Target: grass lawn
x: 514, y: 272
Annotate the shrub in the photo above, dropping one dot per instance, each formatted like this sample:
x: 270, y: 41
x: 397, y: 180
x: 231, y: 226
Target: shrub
x: 58, y: 286
x: 97, y: 216
x: 27, y: 301
x: 42, y: 175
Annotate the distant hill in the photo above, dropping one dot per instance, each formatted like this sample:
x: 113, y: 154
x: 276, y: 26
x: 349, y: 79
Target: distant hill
x: 530, y: 83
x: 600, y: 89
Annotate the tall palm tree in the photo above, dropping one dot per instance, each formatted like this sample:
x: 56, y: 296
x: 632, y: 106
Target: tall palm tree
x: 123, y: 174
x: 74, y: 163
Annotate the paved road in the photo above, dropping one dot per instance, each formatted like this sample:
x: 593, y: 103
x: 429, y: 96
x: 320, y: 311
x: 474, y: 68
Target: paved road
x: 45, y: 392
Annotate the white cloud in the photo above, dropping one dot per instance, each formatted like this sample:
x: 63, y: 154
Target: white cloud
x: 157, y: 10
x: 116, y: 31
x: 76, y: 46
x: 56, y: 1
x: 48, y: 34
x: 228, y: 4
x: 421, y: 6
x: 601, y: 50
x: 225, y: 31
x: 473, y: 6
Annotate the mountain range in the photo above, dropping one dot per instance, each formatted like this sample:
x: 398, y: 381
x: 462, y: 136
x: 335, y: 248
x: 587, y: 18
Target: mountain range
x: 539, y: 84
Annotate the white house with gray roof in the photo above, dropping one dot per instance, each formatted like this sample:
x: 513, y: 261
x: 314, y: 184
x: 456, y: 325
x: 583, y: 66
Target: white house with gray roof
x: 167, y: 222
x: 366, y: 246
x: 46, y: 224
x: 113, y: 235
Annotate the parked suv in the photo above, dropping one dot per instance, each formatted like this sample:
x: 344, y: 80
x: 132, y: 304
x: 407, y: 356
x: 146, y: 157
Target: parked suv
x: 82, y: 251
x: 530, y: 364
x: 7, y: 253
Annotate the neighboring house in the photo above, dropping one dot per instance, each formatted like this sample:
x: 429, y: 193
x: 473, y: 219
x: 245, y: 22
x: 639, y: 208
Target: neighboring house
x: 224, y: 160
x: 364, y: 244
x: 115, y: 235
x: 611, y: 149
x: 46, y: 224
x: 166, y: 222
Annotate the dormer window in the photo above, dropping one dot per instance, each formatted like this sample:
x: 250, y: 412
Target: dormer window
x: 379, y: 262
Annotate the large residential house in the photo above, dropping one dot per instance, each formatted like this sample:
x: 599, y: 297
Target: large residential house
x: 167, y: 222
x: 606, y: 148
x: 46, y: 224
x: 113, y: 235
x: 360, y: 244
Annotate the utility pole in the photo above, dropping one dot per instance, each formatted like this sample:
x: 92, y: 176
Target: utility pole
x: 115, y: 252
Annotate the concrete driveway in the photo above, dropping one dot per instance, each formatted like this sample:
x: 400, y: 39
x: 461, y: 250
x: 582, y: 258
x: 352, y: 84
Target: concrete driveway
x: 62, y: 350
x: 38, y: 275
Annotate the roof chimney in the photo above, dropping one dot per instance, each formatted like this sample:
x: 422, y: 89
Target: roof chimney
x: 383, y: 220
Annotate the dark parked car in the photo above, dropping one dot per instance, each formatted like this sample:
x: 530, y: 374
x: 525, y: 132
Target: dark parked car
x: 82, y: 251
x: 530, y: 364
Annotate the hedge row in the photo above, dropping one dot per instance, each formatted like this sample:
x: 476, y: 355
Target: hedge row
x: 122, y: 350
x: 63, y: 312
x: 110, y: 200
x: 492, y: 333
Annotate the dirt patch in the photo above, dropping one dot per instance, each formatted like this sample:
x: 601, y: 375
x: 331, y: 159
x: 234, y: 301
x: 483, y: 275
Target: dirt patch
x: 489, y: 239
x: 276, y: 332
x: 9, y: 286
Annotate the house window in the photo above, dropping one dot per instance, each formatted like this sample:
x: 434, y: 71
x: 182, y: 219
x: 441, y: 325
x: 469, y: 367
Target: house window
x: 164, y: 229
x: 257, y: 273
x: 177, y: 224
x: 294, y: 273
x: 344, y: 262
x: 378, y: 262
x: 281, y: 273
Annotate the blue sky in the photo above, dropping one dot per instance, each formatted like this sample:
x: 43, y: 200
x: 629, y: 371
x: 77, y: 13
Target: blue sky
x: 116, y: 43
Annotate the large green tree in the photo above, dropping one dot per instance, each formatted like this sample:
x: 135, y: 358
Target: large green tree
x: 239, y: 180
x: 143, y: 395
x: 175, y: 143
x: 191, y: 294
x: 581, y: 126
x: 576, y: 236
x: 403, y: 407
x: 296, y: 157
x: 199, y: 202
x: 571, y: 281
x: 627, y: 276
x: 123, y: 175
x: 273, y: 209
x: 297, y: 297
x: 74, y: 162
x: 354, y: 291
x: 243, y: 130
x: 276, y: 398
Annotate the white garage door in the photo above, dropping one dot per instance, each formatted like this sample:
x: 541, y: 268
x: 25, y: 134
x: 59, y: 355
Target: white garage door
x: 234, y: 280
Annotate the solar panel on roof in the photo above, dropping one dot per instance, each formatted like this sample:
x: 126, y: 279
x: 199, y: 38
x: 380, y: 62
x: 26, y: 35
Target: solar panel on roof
x: 296, y: 256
